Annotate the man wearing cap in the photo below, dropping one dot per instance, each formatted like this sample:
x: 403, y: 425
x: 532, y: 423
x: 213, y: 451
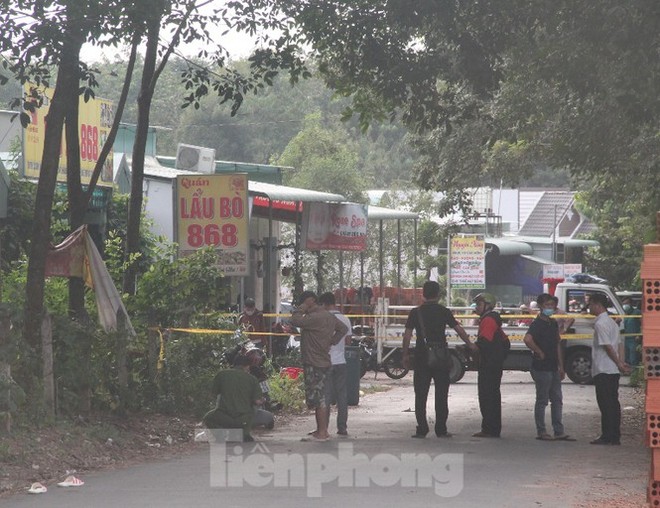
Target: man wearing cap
x: 252, y: 320
x: 492, y: 352
x: 319, y: 329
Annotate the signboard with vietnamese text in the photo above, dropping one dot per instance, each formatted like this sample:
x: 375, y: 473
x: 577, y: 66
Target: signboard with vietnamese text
x: 95, y: 119
x: 467, y: 265
x: 212, y: 210
x: 334, y: 226
x: 558, y: 271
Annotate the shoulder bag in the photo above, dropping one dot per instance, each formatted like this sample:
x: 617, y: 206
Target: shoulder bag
x: 437, y: 353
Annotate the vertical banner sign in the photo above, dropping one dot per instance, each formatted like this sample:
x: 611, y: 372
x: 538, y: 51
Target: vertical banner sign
x: 212, y: 210
x: 468, y: 262
x: 94, y: 121
x: 334, y: 226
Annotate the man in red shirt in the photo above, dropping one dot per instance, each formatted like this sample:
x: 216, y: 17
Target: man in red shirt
x: 492, y: 351
x: 252, y: 320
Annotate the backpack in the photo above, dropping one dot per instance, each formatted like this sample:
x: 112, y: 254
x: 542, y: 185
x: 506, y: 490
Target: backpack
x: 501, y: 339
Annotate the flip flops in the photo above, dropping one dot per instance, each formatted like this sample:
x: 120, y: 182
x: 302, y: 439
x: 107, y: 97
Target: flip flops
x: 312, y: 438
x: 37, y: 488
x: 545, y: 437
x: 71, y: 481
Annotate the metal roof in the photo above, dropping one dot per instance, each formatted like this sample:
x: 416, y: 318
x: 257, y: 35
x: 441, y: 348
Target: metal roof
x: 284, y: 193
x: 509, y: 247
x: 541, y: 222
x: 380, y: 213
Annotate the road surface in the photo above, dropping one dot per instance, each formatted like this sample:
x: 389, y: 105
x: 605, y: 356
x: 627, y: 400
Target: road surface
x: 379, y: 465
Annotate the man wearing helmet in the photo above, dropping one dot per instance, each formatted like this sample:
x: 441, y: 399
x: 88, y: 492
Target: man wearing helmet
x: 492, y: 344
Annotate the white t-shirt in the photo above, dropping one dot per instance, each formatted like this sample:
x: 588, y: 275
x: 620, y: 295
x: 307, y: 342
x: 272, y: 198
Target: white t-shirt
x: 337, y: 353
x: 606, y: 332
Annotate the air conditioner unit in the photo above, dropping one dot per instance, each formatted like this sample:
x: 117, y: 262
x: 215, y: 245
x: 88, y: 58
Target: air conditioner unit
x: 195, y: 158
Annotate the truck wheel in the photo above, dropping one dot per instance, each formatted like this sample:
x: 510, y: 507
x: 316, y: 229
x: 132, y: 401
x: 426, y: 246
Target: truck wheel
x: 578, y: 366
x: 456, y: 368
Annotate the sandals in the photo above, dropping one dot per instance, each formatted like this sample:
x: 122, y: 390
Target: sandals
x: 37, y: 488
x: 71, y: 481
x: 545, y: 437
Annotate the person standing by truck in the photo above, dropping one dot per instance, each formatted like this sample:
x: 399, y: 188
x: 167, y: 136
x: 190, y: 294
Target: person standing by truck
x: 429, y: 321
x: 493, y: 348
x: 606, y: 369
x: 632, y: 328
x: 544, y: 341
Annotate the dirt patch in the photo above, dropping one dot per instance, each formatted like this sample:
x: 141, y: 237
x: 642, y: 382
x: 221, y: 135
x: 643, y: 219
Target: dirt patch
x: 50, y: 453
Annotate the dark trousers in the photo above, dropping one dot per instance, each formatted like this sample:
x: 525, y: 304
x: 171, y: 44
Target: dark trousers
x: 335, y: 391
x: 490, y: 397
x: 607, y: 396
x: 422, y: 377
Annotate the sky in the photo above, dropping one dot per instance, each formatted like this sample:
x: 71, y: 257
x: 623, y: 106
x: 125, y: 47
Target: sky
x: 239, y: 45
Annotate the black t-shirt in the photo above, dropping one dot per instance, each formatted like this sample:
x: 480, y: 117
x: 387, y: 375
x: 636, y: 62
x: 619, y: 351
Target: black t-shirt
x: 546, y: 336
x: 436, y: 318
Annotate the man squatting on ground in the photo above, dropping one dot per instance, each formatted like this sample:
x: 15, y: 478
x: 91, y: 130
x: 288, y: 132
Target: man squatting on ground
x: 238, y: 392
x: 319, y: 329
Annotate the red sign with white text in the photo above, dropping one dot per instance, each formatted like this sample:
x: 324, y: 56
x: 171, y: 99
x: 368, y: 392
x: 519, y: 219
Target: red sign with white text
x: 334, y: 226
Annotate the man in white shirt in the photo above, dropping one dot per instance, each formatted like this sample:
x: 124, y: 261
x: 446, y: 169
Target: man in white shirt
x: 606, y: 368
x: 336, y: 381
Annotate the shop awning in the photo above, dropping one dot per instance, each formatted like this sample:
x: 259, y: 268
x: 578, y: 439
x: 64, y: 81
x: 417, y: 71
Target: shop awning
x: 576, y: 242
x: 380, y: 213
x: 504, y: 247
x: 284, y: 193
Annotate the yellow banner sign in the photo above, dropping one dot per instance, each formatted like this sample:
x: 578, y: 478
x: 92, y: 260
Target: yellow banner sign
x: 94, y: 121
x: 212, y: 210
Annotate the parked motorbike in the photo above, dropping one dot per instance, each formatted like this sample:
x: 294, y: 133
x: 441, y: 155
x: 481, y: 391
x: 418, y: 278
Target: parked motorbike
x: 363, y: 337
x: 258, y: 368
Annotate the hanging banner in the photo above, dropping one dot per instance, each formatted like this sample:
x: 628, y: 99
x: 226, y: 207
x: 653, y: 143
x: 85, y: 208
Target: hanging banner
x: 212, y: 210
x: 334, y: 226
x: 467, y: 265
x: 95, y: 119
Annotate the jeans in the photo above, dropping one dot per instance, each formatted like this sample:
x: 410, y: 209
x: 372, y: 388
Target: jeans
x: 422, y: 376
x: 548, y: 388
x: 631, y: 353
x: 607, y: 396
x: 335, y: 391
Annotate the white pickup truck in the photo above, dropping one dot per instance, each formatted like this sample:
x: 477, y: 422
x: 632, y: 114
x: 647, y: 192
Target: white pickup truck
x: 577, y: 339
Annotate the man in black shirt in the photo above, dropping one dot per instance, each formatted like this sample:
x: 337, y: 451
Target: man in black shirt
x: 429, y: 321
x: 547, y: 368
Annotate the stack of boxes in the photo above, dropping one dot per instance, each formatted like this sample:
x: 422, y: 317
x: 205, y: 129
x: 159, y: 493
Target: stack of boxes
x: 651, y: 354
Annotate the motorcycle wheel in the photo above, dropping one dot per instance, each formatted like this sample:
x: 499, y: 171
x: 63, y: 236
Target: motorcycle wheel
x: 456, y: 368
x: 394, y: 369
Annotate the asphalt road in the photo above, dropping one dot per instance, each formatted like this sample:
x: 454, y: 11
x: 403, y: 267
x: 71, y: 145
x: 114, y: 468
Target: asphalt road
x: 379, y: 465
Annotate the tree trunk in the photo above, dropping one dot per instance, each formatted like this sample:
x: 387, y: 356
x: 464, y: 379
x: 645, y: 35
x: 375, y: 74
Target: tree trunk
x: 139, y: 149
x: 47, y: 359
x: 67, y: 79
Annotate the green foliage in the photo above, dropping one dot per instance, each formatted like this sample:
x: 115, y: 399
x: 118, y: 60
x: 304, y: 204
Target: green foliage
x: 288, y: 392
x: 185, y: 382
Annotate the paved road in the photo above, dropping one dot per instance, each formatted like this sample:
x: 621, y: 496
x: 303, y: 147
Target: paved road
x: 381, y: 466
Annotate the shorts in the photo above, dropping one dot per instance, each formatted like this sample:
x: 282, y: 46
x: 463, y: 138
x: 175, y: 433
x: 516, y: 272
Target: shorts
x: 315, y: 386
